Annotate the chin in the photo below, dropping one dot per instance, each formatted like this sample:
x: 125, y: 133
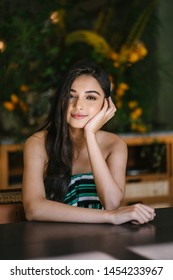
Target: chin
x: 77, y: 125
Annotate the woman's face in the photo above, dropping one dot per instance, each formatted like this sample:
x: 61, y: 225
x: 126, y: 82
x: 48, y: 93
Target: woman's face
x: 86, y: 100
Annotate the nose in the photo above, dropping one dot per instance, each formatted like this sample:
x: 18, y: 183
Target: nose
x: 78, y: 104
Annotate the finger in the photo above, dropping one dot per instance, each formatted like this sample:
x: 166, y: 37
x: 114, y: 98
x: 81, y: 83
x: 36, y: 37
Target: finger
x: 110, y: 102
x: 146, y: 215
x: 110, y: 112
x: 110, y: 116
x: 142, y: 214
x: 150, y: 211
x: 111, y: 105
x: 105, y: 105
x: 139, y: 218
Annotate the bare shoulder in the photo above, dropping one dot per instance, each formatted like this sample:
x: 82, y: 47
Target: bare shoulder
x: 36, y: 139
x: 111, y: 141
x: 36, y: 143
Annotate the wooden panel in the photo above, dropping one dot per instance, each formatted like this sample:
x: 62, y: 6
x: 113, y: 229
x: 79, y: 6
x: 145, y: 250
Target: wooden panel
x: 11, y: 213
x: 5, y: 149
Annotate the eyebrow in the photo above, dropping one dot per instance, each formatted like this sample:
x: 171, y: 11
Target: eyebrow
x: 87, y: 91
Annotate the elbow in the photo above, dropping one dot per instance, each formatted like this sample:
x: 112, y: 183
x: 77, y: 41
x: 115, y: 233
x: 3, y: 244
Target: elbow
x: 32, y: 212
x: 113, y: 203
x: 30, y: 215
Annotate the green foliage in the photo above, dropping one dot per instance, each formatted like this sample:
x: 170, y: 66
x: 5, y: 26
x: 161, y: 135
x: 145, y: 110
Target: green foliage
x: 39, y: 48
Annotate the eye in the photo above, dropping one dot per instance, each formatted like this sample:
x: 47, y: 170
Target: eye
x: 90, y: 97
x: 72, y: 97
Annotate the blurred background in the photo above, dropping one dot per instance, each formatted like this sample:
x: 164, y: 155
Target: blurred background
x: 132, y: 40
x: 40, y: 40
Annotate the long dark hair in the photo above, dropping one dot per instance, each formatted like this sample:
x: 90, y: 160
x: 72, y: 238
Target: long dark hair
x: 59, y: 145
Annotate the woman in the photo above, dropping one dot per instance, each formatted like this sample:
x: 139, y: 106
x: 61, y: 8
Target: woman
x: 72, y: 162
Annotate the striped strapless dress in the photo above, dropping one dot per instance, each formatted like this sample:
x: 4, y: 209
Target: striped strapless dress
x: 82, y: 192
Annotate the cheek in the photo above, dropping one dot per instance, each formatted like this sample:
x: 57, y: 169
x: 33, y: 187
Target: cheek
x: 95, y: 108
x: 68, y: 112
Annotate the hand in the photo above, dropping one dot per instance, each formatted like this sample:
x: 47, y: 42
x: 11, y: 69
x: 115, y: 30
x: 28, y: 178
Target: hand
x: 136, y: 214
x: 103, y: 116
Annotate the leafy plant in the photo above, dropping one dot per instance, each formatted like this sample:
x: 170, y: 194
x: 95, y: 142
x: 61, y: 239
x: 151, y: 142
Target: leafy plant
x: 43, y: 38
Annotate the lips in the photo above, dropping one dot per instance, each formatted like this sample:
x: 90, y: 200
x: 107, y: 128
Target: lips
x: 78, y: 116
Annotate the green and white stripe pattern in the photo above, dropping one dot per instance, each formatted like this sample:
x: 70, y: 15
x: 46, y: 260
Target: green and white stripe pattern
x: 82, y: 192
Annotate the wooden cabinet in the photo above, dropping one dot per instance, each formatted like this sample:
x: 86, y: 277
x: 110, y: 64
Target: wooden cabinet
x: 11, y: 165
x: 144, y: 182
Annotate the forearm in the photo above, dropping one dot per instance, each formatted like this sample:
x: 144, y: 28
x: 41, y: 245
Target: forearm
x: 108, y: 190
x: 51, y: 211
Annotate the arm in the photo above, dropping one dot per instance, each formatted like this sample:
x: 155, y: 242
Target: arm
x: 109, y: 174
x: 38, y: 208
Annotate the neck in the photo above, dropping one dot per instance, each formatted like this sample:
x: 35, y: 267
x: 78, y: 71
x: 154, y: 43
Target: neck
x: 78, y: 138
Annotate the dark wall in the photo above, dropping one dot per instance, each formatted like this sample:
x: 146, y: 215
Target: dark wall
x: 165, y: 54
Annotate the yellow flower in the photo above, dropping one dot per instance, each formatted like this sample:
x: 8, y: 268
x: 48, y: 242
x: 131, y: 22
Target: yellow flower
x: 133, y: 116
x: 14, y: 98
x: 24, y: 88
x: 23, y: 106
x: 123, y: 56
x: 2, y: 46
x: 123, y: 86
x: 114, y: 56
x: 133, y: 57
x: 141, y: 128
x: 132, y: 104
x: 137, y: 52
x: 116, y: 64
x: 136, y: 114
x: 120, y: 92
x: 54, y: 17
x: 9, y: 105
x: 141, y: 49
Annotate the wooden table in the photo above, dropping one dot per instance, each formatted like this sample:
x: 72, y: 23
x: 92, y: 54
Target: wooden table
x: 37, y: 240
